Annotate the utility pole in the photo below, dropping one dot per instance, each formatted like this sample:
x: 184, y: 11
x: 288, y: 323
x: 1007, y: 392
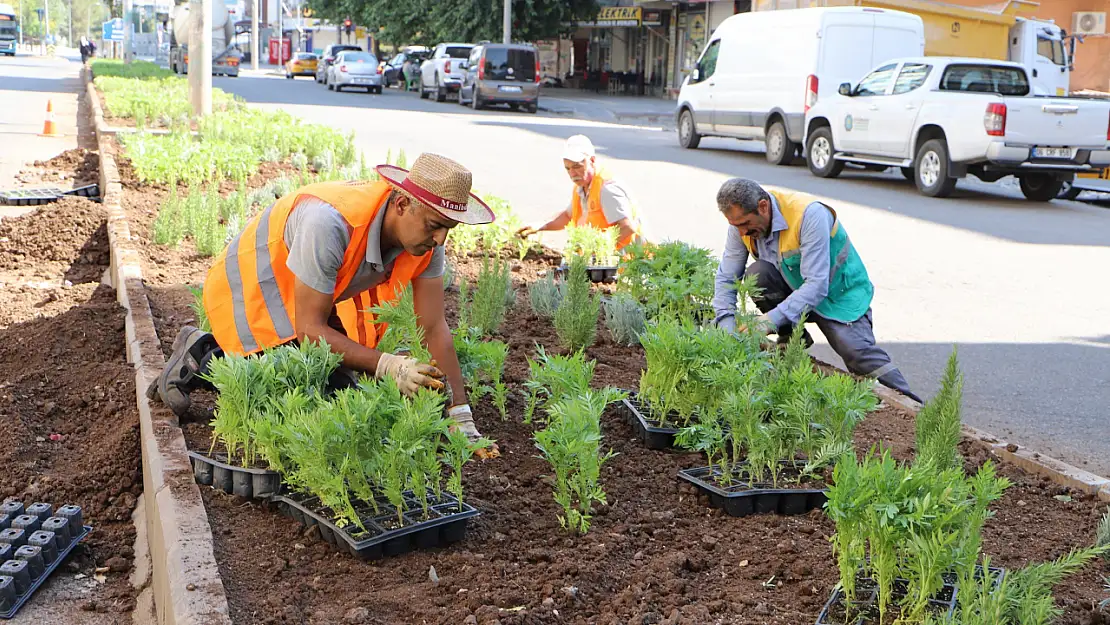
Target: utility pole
x: 507, y: 22
x: 71, y: 23
x: 254, y: 34
x: 281, y: 31
x: 200, y: 57
x: 46, y: 24
x: 128, y: 27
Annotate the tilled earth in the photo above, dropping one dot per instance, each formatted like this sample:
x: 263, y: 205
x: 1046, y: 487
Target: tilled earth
x: 67, y: 399
x: 655, y: 553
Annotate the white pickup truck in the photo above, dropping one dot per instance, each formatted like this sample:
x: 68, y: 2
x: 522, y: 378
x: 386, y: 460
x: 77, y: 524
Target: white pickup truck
x: 940, y: 118
x: 443, y: 72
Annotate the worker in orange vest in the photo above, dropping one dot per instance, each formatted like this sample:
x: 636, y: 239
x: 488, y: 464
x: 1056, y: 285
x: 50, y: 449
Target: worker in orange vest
x: 597, y: 200
x: 311, y: 265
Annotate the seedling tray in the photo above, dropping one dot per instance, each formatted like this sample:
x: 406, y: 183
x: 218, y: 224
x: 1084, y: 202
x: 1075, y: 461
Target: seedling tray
x: 380, y: 539
x: 652, y: 432
x: 31, y: 197
x: 865, y: 612
x: 597, y: 273
x: 217, y: 472
x: 90, y: 191
x: 27, y: 558
x: 741, y: 499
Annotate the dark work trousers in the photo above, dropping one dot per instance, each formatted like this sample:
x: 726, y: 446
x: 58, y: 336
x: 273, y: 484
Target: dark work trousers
x: 854, y: 342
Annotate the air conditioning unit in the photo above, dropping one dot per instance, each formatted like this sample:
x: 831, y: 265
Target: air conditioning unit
x: 1088, y: 23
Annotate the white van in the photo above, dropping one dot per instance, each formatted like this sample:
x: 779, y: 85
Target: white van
x: 762, y: 71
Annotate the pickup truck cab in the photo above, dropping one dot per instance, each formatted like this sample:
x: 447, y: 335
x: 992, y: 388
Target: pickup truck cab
x: 443, y: 72
x: 941, y: 118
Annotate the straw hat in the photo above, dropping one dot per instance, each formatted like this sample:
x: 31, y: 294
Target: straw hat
x: 441, y: 184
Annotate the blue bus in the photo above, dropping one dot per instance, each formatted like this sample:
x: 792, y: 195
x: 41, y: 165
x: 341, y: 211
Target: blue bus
x: 9, y: 29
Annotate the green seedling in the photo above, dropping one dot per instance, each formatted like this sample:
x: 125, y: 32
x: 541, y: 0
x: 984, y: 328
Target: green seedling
x: 625, y: 319
x: 456, y: 452
x: 576, y: 316
x: 553, y: 377
x: 545, y: 294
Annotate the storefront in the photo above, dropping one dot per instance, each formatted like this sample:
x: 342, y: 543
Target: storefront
x: 695, y: 21
x: 623, y: 50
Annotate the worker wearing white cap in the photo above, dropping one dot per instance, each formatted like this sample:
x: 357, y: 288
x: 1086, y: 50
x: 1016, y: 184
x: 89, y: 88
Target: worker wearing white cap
x: 597, y: 200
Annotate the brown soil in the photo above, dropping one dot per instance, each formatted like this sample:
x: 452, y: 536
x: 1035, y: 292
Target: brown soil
x: 70, y: 169
x: 67, y: 396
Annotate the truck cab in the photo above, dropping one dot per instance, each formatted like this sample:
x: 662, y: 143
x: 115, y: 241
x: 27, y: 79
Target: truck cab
x: 1039, y: 47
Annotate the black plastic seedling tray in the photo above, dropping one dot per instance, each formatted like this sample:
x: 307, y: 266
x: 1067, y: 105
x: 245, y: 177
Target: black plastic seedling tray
x: 30, y: 197
x: 448, y: 525
x: 654, y: 434
x: 216, y: 472
x: 741, y: 499
x: 28, y: 556
x: 90, y: 191
x: 597, y: 273
x: 943, y: 604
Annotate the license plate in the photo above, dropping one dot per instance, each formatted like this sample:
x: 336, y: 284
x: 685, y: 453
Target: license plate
x: 1052, y: 152
x: 362, y: 80
x: 509, y: 89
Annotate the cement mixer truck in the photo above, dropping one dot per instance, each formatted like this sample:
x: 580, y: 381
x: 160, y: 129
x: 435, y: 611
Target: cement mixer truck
x: 225, y: 56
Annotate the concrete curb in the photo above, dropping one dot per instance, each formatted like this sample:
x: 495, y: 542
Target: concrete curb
x: 1028, y: 460
x: 186, y: 581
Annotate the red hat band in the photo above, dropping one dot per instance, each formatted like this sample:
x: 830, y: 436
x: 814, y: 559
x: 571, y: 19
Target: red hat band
x: 431, y: 198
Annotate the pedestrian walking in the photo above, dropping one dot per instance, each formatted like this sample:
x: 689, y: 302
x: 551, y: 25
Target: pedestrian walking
x: 804, y: 264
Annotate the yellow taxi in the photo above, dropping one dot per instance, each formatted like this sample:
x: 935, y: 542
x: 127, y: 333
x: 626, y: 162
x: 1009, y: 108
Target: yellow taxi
x: 302, y: 64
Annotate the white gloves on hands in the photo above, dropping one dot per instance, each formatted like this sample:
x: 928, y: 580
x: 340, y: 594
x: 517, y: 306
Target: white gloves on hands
x: 409, y: 373
x: 463, y: 417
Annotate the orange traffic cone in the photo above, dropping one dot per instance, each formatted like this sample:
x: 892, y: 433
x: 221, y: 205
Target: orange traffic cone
x: 49, y: 128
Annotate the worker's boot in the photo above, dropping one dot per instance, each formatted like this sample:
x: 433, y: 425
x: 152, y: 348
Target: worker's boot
x: 193, y: 349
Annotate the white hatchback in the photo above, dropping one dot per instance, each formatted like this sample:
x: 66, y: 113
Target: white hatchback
x: 355, y: 69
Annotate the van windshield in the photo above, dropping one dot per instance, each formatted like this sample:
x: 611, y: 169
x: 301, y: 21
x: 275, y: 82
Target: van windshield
x: 985, y: 79
x: 510, y: 64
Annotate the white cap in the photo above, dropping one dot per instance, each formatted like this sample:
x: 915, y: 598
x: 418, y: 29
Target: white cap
x: 578, y: 148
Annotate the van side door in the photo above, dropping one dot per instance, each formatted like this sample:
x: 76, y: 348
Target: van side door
x: 898, y: 115
x: 860, y: 125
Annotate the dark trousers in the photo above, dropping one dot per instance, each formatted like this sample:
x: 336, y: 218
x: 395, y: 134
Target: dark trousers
x: 854, y: 342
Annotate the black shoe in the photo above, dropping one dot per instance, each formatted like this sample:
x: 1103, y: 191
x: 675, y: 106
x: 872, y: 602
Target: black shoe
x: 784, y: 338
x: 192, y: 350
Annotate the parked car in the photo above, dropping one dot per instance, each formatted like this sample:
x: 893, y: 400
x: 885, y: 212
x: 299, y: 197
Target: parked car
x: 328, y: 58
x: 498, y: 73
x: 391, y: 71
x: 443, y: 72
x: 354, y: 68
x: 302, y: 64
x: 746, y: 87
x: 942, y: 118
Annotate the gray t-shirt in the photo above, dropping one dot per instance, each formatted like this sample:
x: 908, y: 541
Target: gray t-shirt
x: 615, y: 203
x: 317, y: 237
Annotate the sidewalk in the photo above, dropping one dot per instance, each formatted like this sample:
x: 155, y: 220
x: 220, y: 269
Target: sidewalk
x: 607, y: 108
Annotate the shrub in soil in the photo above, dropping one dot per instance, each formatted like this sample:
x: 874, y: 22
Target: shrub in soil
x: 576, y: 316
x: 552, y: 377
x: 624, y: 317
x: 545, y: 294
x: 484, y: 310
x: 673, y: 280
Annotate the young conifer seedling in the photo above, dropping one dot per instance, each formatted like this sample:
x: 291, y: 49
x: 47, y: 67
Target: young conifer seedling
x: 576, y: 316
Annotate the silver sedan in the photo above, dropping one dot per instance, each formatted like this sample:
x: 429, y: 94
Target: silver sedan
x: 355, y: 69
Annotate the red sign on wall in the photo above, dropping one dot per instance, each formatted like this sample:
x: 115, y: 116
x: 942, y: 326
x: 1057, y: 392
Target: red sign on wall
x: 285, y: 47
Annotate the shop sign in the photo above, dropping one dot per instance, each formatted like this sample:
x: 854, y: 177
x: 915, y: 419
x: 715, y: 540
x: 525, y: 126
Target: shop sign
x: 616, y: 17
x: 653, y: 18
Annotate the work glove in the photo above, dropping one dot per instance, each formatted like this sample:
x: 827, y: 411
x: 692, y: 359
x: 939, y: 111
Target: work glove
x: 409, y: 373
x: 526, y: 232
x: 727, y: 323
x: 764, y: 325
x: 463, y: 418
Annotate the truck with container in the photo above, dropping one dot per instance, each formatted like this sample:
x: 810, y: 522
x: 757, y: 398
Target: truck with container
x: 9, y: 29
x: 939, y: 119
x: 1002, y: 32
x: 225, y: 55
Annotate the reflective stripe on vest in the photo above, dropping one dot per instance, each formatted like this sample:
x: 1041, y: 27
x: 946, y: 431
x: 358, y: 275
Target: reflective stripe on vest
x: 248, y: 294
x: 595, y: 216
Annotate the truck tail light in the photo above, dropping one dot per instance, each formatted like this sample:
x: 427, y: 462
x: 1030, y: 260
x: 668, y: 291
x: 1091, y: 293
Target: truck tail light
x: 481, y: 69
x: 343, y: 68
x: 379, y: 69
x: 994, y: 120
x: 447, y: 67
x: 232, y: 61
x: 537, y: 69
x: 811, y: 92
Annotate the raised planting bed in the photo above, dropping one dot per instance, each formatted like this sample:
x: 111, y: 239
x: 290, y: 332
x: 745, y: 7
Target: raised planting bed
x: 382, y: 534
x: 864, y: 611
x: 655, y: 433
x: 741, y: 497
x: 215, y: 471
x: 33, y: 544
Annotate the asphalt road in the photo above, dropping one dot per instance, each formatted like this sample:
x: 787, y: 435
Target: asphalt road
x: 1019, y: 288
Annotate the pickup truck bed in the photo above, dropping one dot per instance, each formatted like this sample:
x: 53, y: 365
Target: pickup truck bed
x: 940, y: 119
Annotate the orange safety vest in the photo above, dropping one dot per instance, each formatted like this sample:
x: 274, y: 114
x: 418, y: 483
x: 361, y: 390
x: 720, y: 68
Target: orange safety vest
x: 595, y: 216
x: 248, y: 294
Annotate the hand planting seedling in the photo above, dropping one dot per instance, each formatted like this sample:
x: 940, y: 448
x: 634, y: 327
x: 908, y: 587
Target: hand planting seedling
x: 403, y: 332
x: 576, y: 316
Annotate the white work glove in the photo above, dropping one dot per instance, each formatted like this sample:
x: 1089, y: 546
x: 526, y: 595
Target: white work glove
x: 409, y: 373
x: 463, y: 417
x: 727, y: 323
x: 764, y: 325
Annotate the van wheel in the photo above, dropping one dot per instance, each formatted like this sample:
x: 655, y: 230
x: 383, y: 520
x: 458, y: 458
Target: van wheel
x: 931, y: 170
x: 688, y: 136
x: 532, y: 108
x: 475, y: 100
x: 907, y: 173
x: 820, y: 154
x: 1069, y: 192
x: 1040, y: 187
x: 780, y: 149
